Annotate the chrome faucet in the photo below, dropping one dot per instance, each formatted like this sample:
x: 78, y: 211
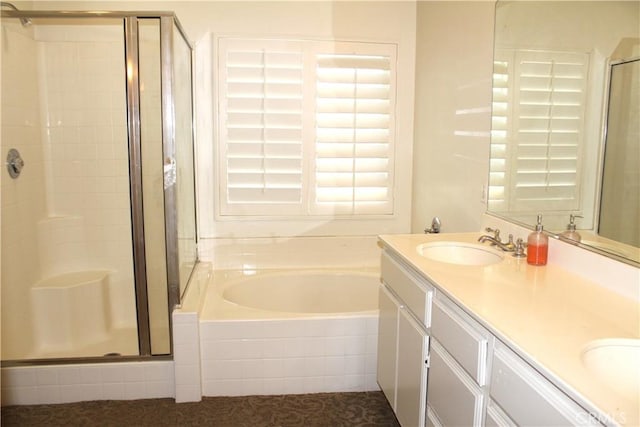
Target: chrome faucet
x: 510, y: 246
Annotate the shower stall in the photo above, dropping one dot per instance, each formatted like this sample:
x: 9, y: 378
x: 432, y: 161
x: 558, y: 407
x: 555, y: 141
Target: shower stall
x: 98, y: 199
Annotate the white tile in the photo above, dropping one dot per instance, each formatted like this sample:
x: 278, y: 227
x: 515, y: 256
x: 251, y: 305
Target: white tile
x: 18, y: 377
x: 188, y: 393
x: 371, y: 363
x: 294, y: 347
x: 335, y: 346
x: 158, y: 372
x: 135, y: 390
x: 133, y: 373
x: 252, y: 368
x: 354, y: 382
x: 113, y: 391
x: 273, y: 347
x: 314, y: 366
x: 188, y: 374
x: 48, y: 394
x: 334, y: 383
x: 69, y: 376
x: 91, y: 391
x: 72, y: 393
x: 252, y: 387
x: 273, y: 368
x: 314, y: 384
x: 20, y: 396
x: 273, y: 386
x: 371, y: 344
x: 334, y: 366
x: 356, y: 345
x: 46, y: 376
x: 161, y: 389
x: 314, y: 346
x: 315, y: 327
x: 112, y: 374
x: 294, y: 385
x: 294, y: 367
x: 186, y: 353
x: 91, y: 374
x: 355, y: 365
x: 371, y: 383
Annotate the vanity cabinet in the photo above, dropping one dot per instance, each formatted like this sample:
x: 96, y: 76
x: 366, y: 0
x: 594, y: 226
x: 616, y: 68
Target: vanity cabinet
x: 403, y: 342
x: 428, y: 341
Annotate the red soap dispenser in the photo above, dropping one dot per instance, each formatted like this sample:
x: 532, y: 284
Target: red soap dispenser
x: 537, y: 245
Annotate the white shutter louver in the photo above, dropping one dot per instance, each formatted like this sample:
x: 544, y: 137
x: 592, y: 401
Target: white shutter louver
x: 539, y: 132
x: 306, y: 128
x: 263, y: 122
x: 353, y: 114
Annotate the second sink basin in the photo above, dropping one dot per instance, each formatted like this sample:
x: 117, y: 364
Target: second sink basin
x: 615, y: 363
x: 460, y: 253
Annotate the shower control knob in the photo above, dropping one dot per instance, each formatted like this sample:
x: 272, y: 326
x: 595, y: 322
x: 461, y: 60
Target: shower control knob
x: 14, y: 163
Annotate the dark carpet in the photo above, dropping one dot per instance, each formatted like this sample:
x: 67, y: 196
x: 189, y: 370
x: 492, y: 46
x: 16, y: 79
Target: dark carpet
x: 308, y: 410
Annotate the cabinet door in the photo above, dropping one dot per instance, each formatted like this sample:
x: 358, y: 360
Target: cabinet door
x: 454, y: 398
x: 411, y: 395
x: 387, y: 344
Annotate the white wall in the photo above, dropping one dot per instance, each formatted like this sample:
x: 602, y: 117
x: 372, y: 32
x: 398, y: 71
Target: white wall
x: 452, y: 113
x: 385, y: 21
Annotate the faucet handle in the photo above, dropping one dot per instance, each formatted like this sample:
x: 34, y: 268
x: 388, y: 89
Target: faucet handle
x: 495, y: 231
x: 436, y: 224
x: 520, y: 246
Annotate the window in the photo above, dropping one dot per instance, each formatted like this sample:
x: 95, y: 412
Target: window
x: 306, y: 128
x: 537, y: 130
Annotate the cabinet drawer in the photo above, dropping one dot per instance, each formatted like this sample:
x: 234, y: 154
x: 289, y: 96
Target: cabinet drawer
x: 415, y: 295
x: 453, y: 397
x: 527, y: 397
x: 462, y: 336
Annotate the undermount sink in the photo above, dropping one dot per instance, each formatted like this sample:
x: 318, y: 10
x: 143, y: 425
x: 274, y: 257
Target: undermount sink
x: 614, y: 362
x: 459, y: 253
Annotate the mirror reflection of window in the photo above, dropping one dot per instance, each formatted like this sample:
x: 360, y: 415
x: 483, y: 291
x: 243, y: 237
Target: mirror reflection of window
x: 538, y: 126
x: 620, y: 199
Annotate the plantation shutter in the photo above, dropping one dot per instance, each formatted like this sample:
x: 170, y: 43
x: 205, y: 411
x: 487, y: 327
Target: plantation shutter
x: 261, y: 106
x: 539, y: 130
x: 353, y: 134
x: 305, y: 128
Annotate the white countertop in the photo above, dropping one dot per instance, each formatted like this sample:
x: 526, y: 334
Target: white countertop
x: 544, y: 313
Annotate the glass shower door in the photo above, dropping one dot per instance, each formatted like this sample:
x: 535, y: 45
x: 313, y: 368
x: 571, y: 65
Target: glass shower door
x: 67, y: 267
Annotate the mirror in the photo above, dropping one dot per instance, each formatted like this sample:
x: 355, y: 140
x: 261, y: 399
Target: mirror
x: 559, y: 119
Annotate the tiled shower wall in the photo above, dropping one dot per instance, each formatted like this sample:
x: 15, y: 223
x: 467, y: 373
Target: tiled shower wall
x: 23, y: 199
x: 85, y: 97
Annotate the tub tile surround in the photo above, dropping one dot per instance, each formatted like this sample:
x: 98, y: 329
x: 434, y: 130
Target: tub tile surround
x: 548, y: 315
x: 289, y: 356
x: 258, y: 354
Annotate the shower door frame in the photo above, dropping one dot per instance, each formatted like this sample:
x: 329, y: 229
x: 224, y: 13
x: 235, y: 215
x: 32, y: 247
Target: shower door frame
x: 168, y: 21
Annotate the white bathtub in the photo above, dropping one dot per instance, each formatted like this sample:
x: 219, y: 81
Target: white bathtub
x: 305, y: 292
x: 289, y: 331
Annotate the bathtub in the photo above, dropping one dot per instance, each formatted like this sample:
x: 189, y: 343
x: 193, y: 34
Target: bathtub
x: 289, y: 331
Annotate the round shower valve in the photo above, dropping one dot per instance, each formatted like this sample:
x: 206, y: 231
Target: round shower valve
x: 14, y: 163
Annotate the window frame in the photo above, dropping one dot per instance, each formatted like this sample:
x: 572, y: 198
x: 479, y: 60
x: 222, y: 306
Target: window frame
x: 306, y: 210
